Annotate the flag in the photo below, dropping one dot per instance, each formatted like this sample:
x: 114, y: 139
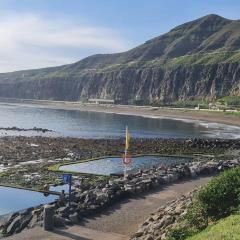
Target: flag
x: 127, y: 138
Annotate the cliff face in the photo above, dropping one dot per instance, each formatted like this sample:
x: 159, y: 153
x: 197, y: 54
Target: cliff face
x: 153, y: 84
x: 195, y: 60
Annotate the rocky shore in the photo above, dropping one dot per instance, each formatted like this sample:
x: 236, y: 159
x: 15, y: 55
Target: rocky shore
x: 87, y: 201
x: 24, y: 160
x: 43, y: 130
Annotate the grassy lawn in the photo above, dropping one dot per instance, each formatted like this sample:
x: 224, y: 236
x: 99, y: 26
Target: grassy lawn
x: 225, y: 229
x: 236, y: 114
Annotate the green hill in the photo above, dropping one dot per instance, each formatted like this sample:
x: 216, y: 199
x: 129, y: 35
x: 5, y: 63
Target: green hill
x: 196, y: 60
x: 225, y: 229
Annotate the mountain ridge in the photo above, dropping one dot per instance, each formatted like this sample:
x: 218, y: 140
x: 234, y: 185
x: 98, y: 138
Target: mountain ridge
x: 197, y: 59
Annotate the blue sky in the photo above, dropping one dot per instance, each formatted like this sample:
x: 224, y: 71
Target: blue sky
x: 40, y: 33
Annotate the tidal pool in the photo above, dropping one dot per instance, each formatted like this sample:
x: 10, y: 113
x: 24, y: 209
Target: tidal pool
x: 114, y: 165
x: 14, y: 199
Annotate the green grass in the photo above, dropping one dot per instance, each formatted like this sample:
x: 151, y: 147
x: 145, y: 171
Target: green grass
x: 225, y: 229
x: 191, y: 103
x: 3, y: 174
x: 222, y: 56
x: 230, y: 100
x: 206, y: 58
x: 193, y: 59
x: 236, y: 114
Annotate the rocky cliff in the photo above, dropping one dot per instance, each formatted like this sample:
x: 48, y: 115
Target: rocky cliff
x: 199, y: 59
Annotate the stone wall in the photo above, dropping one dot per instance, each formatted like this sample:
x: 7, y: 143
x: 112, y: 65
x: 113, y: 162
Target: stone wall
x: 165, y: 218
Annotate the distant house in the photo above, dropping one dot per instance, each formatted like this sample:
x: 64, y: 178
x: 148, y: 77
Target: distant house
x: 213, y: 106
x: 101, y: 101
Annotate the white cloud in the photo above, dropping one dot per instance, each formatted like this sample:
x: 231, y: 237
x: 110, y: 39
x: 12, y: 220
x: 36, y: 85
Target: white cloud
x: 30, y: 41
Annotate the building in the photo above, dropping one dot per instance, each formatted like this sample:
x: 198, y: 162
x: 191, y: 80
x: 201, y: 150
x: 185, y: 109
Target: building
x: 101, y: 101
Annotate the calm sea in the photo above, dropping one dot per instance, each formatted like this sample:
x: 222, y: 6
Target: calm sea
x: 72, y: 123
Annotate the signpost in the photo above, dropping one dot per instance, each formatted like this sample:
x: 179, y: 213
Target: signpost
x: 67, y: 179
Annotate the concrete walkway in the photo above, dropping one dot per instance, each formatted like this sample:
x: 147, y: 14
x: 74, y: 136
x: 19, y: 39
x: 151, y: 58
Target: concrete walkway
x: 119, y: 220
x: 75, y: 232
x: 125, y: 217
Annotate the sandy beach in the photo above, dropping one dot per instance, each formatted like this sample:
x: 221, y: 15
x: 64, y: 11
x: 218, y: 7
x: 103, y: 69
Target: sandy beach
x: 144, y: 111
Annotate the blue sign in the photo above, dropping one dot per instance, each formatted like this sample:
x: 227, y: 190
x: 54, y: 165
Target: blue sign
x: 67, y: 178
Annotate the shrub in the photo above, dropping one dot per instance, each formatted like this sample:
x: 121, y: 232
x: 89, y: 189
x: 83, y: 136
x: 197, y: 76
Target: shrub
x: 179, y: 233
x: 230, y: 100
x: 219, y: 198
x: 222, y: 194
x: 197, y: 215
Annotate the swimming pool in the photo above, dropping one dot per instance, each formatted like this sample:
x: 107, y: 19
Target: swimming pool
x: 14, y: 199
x: 113, y: 165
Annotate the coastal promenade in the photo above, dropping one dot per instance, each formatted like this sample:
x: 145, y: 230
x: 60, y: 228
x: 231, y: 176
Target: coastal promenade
x: 119, y: 221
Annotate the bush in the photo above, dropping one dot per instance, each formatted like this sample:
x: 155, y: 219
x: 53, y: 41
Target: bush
x: 230, y: 100
x: 179, y: 233
x: 219, y: 198
x: 197, y: 215
x: 222, y: 194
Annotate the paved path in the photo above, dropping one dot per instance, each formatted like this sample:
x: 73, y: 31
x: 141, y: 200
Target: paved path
x: 124, y: 217
x: 119, y: 220
x: 75, y: 232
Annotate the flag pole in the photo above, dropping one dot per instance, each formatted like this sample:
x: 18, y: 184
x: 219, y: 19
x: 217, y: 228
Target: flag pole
x: 125, y: 166
x: 126, y: 148
x: 70, y: 189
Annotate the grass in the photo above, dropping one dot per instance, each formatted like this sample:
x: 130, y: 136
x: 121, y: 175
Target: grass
x: 236, y: 114
x: 190, y: 103
x: 4, y: 174
x: 230, y: 100
x: 225, y: 229
x: 210, y: 58
x: 206, y: 58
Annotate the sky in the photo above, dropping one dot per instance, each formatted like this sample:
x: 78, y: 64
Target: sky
x: 44, y: 33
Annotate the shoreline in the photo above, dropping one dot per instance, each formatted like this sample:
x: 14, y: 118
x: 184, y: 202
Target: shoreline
x: 206, y: 116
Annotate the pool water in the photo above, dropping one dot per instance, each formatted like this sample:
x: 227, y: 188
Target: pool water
x: 114, y: 165
x: 13, y: 199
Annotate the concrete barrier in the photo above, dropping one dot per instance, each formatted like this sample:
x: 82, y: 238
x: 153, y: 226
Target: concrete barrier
x: 48, y: 217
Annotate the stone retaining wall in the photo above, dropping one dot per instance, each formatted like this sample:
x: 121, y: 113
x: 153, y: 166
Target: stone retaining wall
x: 165, y: 218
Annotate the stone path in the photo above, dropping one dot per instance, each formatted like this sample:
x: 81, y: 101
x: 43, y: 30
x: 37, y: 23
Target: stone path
x: 120, y: 220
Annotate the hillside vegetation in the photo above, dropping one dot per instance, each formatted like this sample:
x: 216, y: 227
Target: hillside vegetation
x: 210, y: 210
x: 225, y: 229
